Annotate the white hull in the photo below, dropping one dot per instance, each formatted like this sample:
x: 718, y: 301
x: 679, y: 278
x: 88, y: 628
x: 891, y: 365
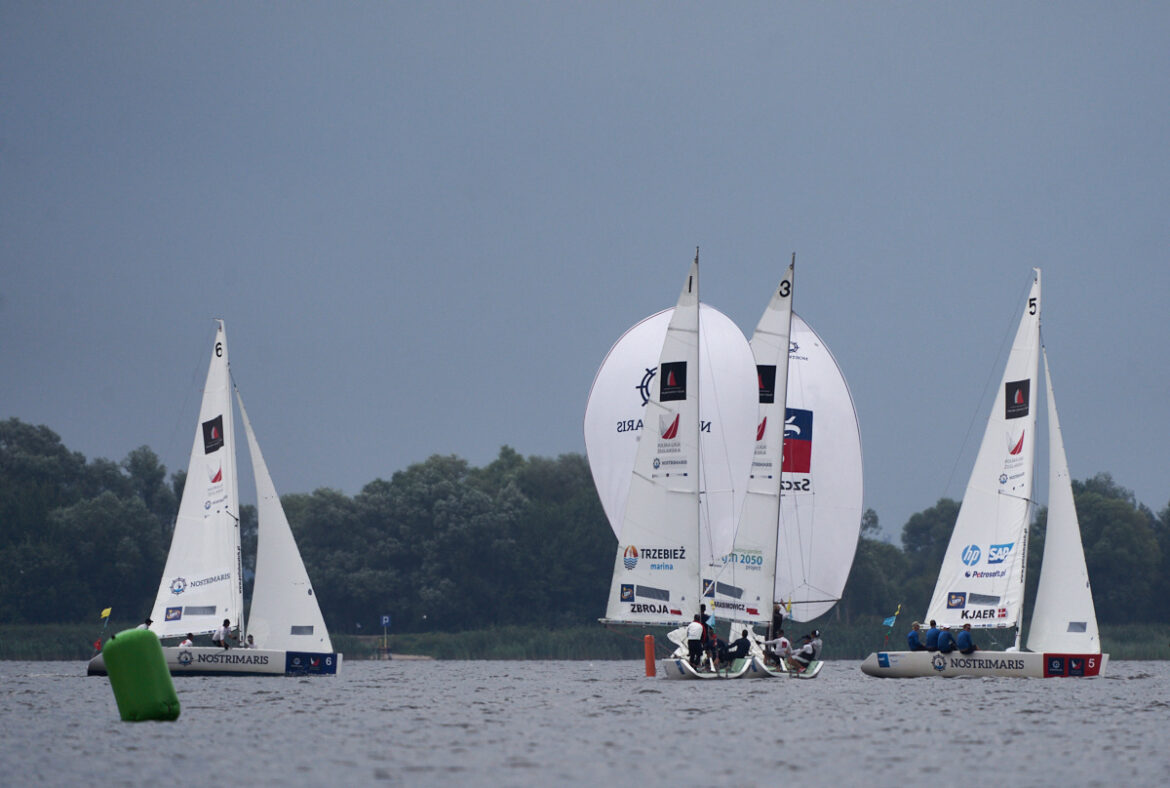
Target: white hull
x: 204, y: 661
x: 677, y: 668
x: 989, y: 664
x: 759, y: 670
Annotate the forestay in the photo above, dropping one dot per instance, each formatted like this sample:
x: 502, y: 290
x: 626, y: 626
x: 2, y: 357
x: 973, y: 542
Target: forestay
x: 202, y: 582
x: 982, y: 577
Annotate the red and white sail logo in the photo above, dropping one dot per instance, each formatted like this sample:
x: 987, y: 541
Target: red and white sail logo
x: 668, y: 428
x: 760, y: 429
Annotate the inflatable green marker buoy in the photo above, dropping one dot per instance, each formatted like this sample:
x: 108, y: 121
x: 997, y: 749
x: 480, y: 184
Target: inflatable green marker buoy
x: 139, y: 677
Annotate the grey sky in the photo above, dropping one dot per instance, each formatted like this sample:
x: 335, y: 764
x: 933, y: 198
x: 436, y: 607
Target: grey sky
x: 425, y: 224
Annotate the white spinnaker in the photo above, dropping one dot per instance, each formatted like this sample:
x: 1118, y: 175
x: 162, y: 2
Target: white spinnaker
x: 201, y: 584
x: 1063, y: 619
x: 616, y: 412
x: 284, y: 613
x: 822, y: 484
x: 981, y: 581
x: 656, y: 568
x: 744, y: 587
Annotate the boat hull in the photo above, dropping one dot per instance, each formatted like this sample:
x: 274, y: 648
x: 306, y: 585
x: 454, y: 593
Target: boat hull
x: 990, y: 664
x: 678, y: 668
x: 203, y: 661
x: 760, y: 670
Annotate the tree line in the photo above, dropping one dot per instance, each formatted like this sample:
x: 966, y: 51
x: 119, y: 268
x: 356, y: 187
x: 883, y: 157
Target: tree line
x: 446, y: 546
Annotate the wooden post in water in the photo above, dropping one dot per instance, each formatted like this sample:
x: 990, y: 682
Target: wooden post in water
x: 648, y: 646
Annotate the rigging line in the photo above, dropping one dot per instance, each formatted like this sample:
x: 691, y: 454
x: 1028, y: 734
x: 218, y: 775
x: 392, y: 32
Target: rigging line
x: 995, y: 364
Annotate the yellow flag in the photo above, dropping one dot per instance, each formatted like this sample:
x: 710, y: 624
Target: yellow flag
x: 788, y: 606
x: 106, y: 612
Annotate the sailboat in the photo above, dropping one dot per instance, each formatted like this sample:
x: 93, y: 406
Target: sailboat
x: 686, y: 464
x: 981, y: 581
x: 202, y: 582
x: 802, y: 516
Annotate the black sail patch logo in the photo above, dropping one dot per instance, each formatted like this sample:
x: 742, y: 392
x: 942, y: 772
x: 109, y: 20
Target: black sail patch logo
x: 673, y: 382
x: 766, y: 375
x: 1015, y: 398
x: 213, y: 435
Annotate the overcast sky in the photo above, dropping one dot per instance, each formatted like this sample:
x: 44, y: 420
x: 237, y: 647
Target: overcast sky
x: 426, y: 223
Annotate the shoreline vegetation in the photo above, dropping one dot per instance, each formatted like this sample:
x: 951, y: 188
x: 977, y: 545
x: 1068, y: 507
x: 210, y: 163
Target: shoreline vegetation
x: 34, y: 642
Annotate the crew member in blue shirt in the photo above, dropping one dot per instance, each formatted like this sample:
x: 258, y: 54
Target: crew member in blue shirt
x: 932, y: 637
x: 914, y: 638
x: 963, y: 641
x: 946, y: 642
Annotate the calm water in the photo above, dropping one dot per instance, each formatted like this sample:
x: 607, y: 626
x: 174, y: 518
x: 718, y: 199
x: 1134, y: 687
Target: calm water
x: 602, y: 723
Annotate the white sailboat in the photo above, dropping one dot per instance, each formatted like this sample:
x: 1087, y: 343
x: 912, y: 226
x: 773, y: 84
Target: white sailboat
x: 981, y: 581
x: 684, y: 447
x: 202, y: 583
x: 800, y: 522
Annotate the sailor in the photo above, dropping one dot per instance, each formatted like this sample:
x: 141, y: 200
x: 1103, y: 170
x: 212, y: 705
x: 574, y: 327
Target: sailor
x: 221, y: 635
x: 932, y: 637
x: 145, y: 624
x: 816, y: 643
x: 777, y: 626
x: 251, y: 643
x: 914, y: 638
x: 963, y: 641
x: 804, y: 655
x: 187, y: 641
x: 946, y: 642
x: 780, y: 646
x: 739, y: 649
x: 695, y: 632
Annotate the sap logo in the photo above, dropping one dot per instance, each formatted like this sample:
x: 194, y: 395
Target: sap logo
x: 971, y: 555
x: 996, y: 553
x: 956, y: 600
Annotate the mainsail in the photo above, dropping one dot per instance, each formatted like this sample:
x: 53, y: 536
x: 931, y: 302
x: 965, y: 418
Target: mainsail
x: 657, y: 565
x: 284, y: 613
x: 202, y: 582
x: 743, y: 590
x: 1063, y: 618
x: 616, y: 415
x: 981, y: 581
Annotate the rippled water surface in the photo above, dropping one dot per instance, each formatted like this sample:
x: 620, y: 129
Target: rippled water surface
x: 595, y: 723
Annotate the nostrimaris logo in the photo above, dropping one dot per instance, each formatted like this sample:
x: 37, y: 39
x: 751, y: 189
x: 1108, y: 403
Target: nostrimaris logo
x: 956, y: 600
x: 971, y: 555
x: 630, y: 557
x: 938, y: 662
x: 184, y: 658
x: 178, y: 585
x: 996, y: 553
x: 667, y: 427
